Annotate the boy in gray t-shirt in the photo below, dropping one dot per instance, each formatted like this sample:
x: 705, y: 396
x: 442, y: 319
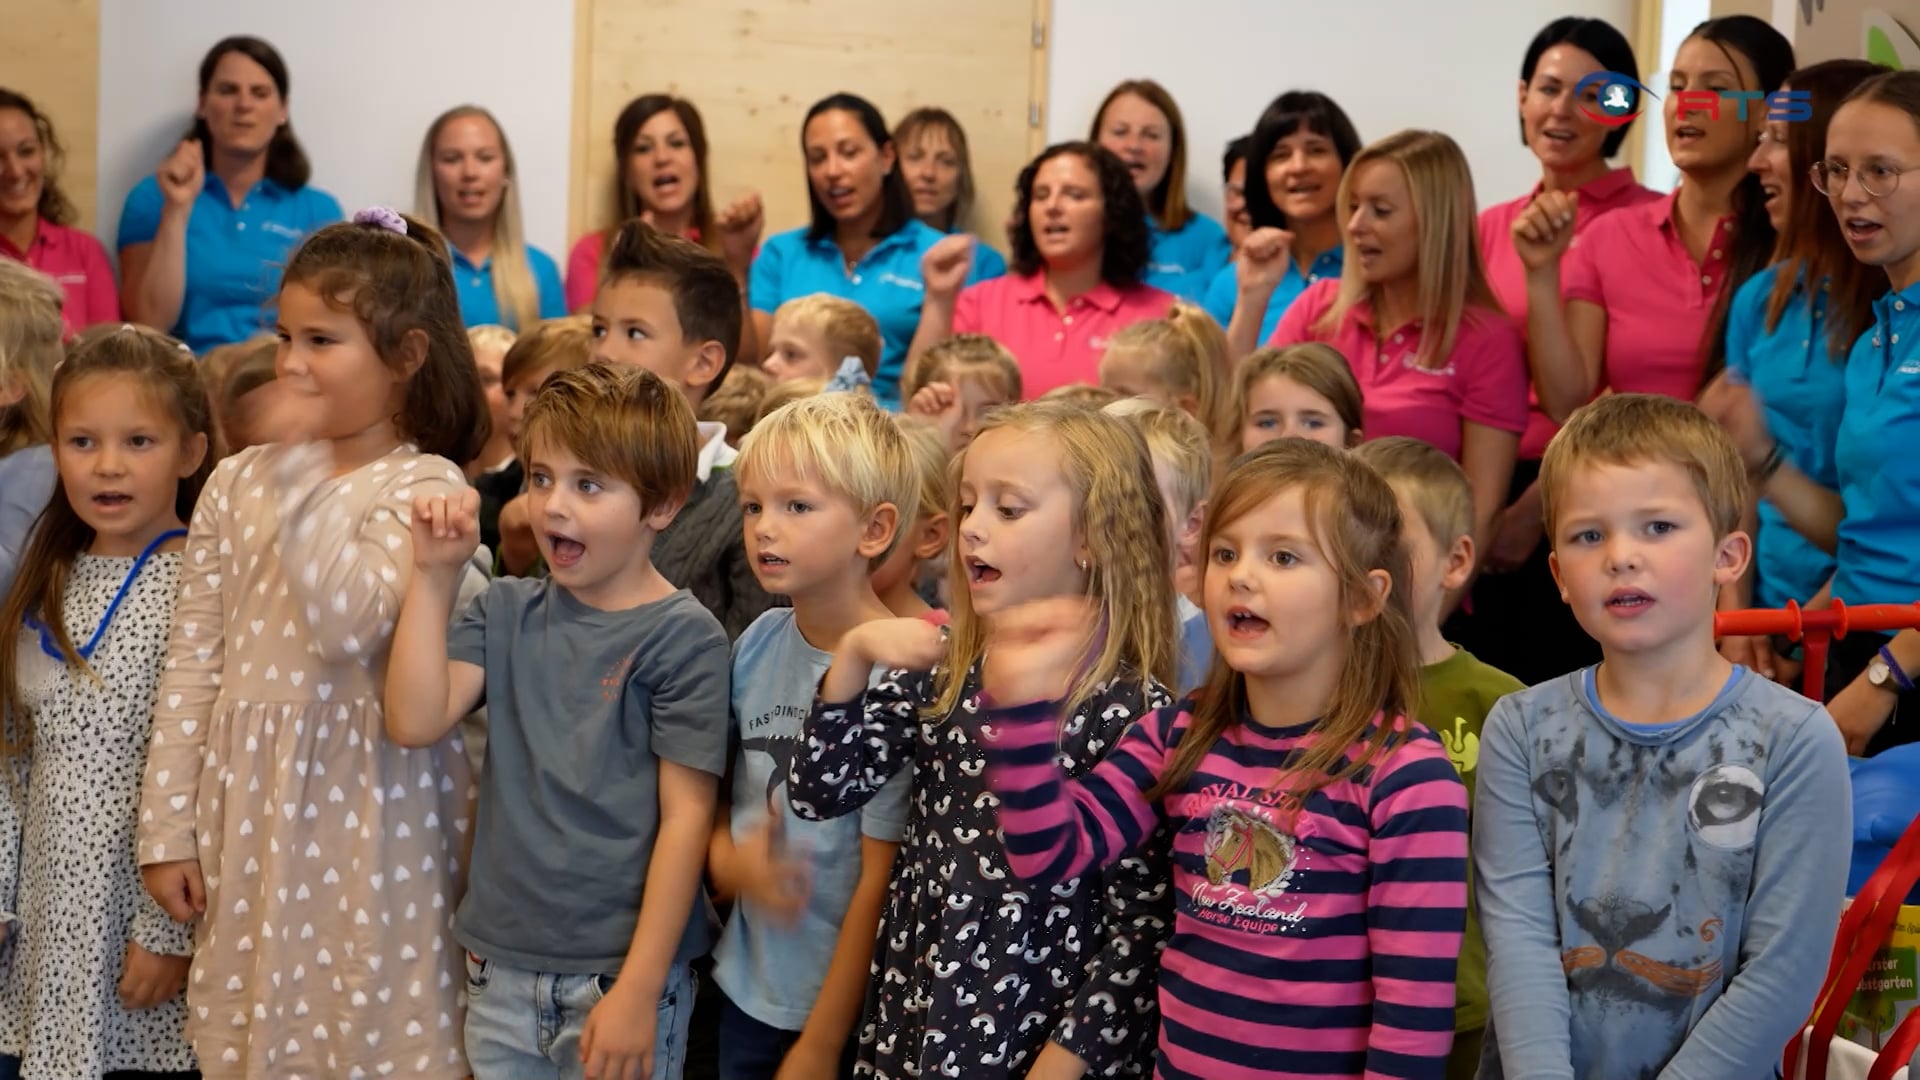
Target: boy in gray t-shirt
x: 606, y: 690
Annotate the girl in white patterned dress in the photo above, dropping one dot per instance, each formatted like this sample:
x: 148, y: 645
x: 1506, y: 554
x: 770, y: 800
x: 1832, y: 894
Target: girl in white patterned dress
x: 323, y: 861
x: 93, y: 983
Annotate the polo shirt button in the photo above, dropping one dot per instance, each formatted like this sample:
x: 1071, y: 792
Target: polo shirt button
x: 1059, y: 337
x: 476, y: 283
x: 241, y: 225
x: 856, y: 279
x: 1398, y: 338
x: 1876, y: 340
x: 1899, y: 305
x: 1706, y: 279
x: 1716, y: 253
x: 1896, y: 339
x: 1068, y: 320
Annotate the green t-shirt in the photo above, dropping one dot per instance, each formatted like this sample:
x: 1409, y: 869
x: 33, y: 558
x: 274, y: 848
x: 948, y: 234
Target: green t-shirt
x: 1456, y: 695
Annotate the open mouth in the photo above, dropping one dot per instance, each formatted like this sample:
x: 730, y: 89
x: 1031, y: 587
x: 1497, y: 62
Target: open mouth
x: 666, y: 182
x: 772, y: 561
x: 1687, y: 133
x: 1558, y: 135
x: 1860, y: 230
x: 112, y: 500
x: 979, y: 573
x: 1628, y: 601
x: 1056, y: 229
x: 565, y: 550
x: 1242, y: 623
x: 839, y: 193
x: 1303, y: 189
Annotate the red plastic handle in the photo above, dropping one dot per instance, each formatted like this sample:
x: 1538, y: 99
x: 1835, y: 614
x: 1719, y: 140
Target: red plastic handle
x: 1796, y: 622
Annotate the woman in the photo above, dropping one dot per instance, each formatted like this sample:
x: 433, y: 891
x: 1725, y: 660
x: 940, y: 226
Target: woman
x: 864, y: 244
x: 1435, y: 357
x: 1079, y: 257
x: 464, y: 186
x: 1233, y: 191
x: 1304, y: 144
x: 1140, y: 123
x: 202, y: 240
x: 939, y: 173
x: 35, y: 217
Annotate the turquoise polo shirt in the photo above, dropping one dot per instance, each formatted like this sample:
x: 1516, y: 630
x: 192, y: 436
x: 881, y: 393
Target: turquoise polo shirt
x: 1879, y: 556
x: 1185, y: 261
x: 1803, y: 390
x: 480, y: 307
x: 1224, y: 293
x: 886, y: 282
x: 987, y: 262
x: 234, y: 253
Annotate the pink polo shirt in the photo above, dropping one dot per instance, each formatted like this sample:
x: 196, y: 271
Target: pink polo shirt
x: 583, y: 268
x: 1055, y: 348
x: 1483, y: 380
x: 1607, y: 193
x: 79, y: 263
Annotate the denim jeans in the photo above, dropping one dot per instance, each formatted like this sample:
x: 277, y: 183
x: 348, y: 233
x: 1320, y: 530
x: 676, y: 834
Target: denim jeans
x: 523, y: 1025
x: 751, y: 1050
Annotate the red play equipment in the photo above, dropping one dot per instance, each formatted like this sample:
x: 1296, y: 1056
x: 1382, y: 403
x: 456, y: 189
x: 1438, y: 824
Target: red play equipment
x: 1816, y: 627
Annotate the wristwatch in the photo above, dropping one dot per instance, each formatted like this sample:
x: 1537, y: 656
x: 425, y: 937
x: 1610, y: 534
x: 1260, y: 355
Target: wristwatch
x: 1884, y: 672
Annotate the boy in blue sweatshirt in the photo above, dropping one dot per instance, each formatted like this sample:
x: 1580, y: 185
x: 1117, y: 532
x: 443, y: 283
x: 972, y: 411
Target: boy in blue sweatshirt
x: 1660, y: 842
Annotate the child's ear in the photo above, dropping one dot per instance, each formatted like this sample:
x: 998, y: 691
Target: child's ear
x: 1355, y: 438
x: 1195, y: 519
x: 1730, y: 561
x: 663, y: 513
x: 1560, y: 583
x: 1459, y: 565
x: 705, y: 366
x: 413, y: 352
x: 192, y: 454
x: 1374, y: 600
x: 13, y: 391
x: 933, y: 536
x: 877, y: 534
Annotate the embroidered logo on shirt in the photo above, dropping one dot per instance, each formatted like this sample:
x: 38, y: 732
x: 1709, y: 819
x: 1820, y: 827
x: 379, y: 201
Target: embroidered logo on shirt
x: 1251, y: 863
x: 890, y: 278
x: 278, y: 229
x: 1909, y: 367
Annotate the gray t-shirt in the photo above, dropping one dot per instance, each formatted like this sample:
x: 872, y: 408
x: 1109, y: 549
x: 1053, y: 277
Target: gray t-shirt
x: 581, y: 704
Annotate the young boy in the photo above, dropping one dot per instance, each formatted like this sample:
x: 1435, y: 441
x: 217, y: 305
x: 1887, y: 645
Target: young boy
x: 827, y: 484
x: 554, y: 345
x: 814, y: 335
x: 1183, y: 465
x: 1456, y: 690
x: 673, y: 308
x: 1660, y: 842
x: 602, y: 683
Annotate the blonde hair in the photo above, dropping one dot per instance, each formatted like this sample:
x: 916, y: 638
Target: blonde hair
x: 514, y: 288
x: 1355, y: 519
x: 1319, y: 367
x: 848, y: 444
x: 931, y: 460
x: 1082, y: 395
x: 623, y: 421
x: 1647, y: 429
x: 738, y: 403
x: 1118, y: 511
x: 557, y: 345
x: 1187, y: 351
x: 1433, y: 484
x: 491, y: 336
x: 30, y: 336
x: 786, y: 393
x: 1177, y: 440
x: 846, y: 326
x: 964, y: 356
x: 1451, y: 276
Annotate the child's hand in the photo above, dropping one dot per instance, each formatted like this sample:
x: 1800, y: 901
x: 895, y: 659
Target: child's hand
x: 617, y: 1041
x: 177, y: 887
x: 905, y: 644
x: 943, y: 269
x: 939, y: 402
x: 446, y: 530
x: 1038, y: 649
x: 147, y: 980
x: 518, y: 548
x: 285, y: 416
x: 777, y: 883
x: 1517, y: 531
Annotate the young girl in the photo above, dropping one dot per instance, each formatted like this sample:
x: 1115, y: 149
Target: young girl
x: 955, y: 382
x: 320, y: 859
x: 903, y: 581
x: 975, y: 975
x: 249, y: 368
x: 1299, y: 392
x: 1177, y: 360
x: 1320, y: 834
x: 30, y: 335
x: 93, y: 599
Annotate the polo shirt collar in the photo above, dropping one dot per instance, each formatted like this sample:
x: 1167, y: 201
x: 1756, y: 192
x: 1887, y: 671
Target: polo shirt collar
x: 42, y: 238
x: 1362, y: 313
x: 266, y: 187
x: 1898, y: 305
x: 1032, y: 289
x: 460, y: 259
x: 900, y: 236
x: 1609, y: 186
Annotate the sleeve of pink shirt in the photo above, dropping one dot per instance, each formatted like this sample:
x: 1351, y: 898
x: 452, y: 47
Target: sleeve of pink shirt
x: 1580, y: 266
x: 583, y: 271
x: 1490, y: 359
x: 1296, y: 325
x: 102, y: 298
x: 967, y: 313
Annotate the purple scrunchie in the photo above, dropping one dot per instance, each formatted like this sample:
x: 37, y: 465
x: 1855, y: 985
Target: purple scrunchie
x: 384, y: 217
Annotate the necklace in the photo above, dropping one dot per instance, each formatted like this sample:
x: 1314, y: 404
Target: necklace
x: 52, y: 648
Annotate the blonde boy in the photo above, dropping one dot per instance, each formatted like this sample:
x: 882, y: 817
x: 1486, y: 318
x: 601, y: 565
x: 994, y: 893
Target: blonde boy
x: 815, y: 335
x: 900, y: 578
x: 826, y: 484
x: 1660, y: 842
x: 1183, y: 465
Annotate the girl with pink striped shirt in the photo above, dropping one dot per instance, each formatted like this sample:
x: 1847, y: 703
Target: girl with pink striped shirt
x: 1320, y: 840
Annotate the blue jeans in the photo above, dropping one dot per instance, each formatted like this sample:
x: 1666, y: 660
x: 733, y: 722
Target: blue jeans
x: 751, y: 1050
x: 526, y: 1025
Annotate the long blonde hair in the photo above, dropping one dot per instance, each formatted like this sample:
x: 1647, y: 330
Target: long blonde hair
x: 1187, y: 350
x: 513, y: 286
x: 1356, y: 522
x: 30, y: 331
x: 1451, y: 272
x: 1117, y: 508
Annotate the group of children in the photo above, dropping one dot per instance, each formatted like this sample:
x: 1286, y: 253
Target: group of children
x: 1171, y: 769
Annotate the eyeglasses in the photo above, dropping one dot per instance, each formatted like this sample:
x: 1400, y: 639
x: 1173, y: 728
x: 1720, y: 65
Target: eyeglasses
x: 1878, y: 181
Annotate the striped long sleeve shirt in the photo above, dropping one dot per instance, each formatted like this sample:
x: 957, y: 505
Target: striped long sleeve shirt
x: 1320, y: 943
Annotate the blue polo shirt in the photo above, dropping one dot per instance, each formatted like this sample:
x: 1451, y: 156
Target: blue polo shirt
x: 234, y: 253
x: 886, y: 282
x: 988, y: 262
x: 480, y: 307
x: 1184, y: 262
x: 1879, y: 556
x: 1803, y: 390
x: 1224, y: 293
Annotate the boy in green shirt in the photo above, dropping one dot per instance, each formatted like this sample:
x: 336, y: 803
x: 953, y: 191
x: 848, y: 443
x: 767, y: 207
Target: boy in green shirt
x: 1456, y: 690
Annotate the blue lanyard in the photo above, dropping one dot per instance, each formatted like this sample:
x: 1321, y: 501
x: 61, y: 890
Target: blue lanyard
x: 52, y: 648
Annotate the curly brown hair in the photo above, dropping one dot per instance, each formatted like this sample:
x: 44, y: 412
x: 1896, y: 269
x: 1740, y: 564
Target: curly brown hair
x: 1123, y: 260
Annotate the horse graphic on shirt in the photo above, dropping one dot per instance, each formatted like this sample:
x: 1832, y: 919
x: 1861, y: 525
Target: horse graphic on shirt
x: 1239, y: 842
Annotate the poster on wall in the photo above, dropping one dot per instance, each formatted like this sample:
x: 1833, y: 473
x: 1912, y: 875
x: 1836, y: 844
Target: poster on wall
x: 1884, y: 40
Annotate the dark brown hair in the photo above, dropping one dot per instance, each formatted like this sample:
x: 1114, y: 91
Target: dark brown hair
x: 398, y: 286
x: 706, y: 297
x: 1167, y: 202
x: 626, y: 129
x: 896, y: 204
x: 1123, y: 256
x: 54, y: 204
x: 287, y: 163
x: 169, y: 373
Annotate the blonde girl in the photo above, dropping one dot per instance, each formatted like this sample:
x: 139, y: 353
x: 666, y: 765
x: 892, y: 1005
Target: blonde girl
x: 973, y: 972
x: 1296, y: 392
x: 954, y: 384
x: 1178, y: 360
x: 466, y: 187
x: 30, y: 335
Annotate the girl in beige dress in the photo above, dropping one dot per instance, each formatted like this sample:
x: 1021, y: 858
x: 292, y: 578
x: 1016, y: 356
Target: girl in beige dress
x: 322, y: 862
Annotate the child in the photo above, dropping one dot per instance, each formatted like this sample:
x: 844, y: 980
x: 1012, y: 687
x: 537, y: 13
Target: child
x: 902, y: 580
x: 1183, y: 465
x: 1320, y: 851
x: 95, y: 593
x: 490, y: 345
x: 250, y: 367
x: 739, y: 403
x: 274, y: 810
x: 816, y: 335
x: 1661, y: 841
x: 553, y: 345
x: 30, y: 336
x: 1297, y: 392
x: 955, y: 382
x: 673, y: 307
x: 603, y: 684
x: 1084, y: 395
x: 1456, y: 690
x: 975, y: 974
x: 1178, y: 360
x: 828, y: 485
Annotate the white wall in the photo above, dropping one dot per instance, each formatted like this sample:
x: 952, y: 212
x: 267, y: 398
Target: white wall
x: 1391, y: 64
x: 1677, y: 20
x: 368, y: 76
